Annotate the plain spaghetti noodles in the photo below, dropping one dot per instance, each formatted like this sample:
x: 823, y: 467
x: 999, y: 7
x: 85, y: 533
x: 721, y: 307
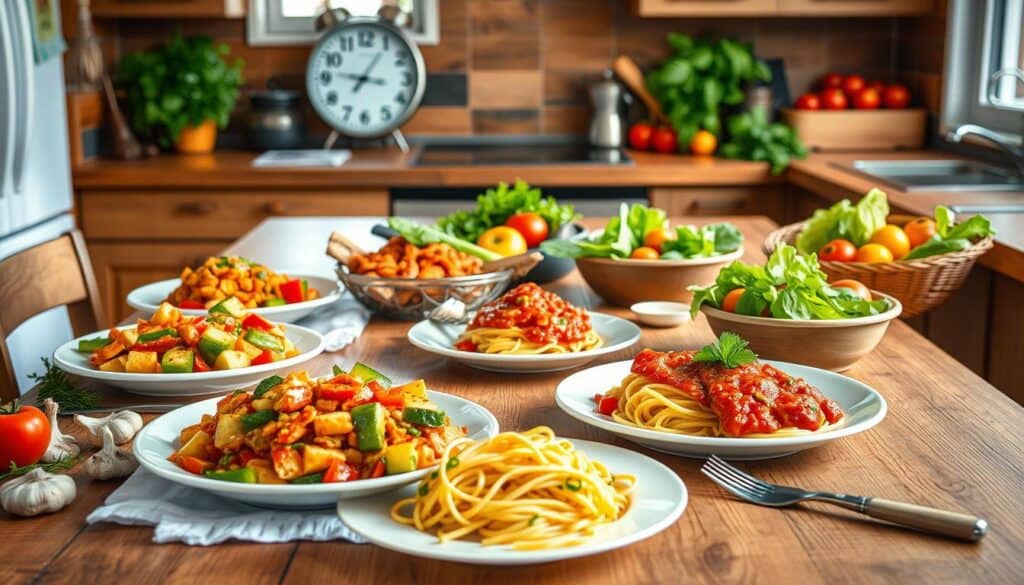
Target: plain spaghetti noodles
x: 529, y: 490
x: 514, y: 340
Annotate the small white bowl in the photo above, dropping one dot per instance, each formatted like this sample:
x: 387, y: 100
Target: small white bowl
x: 661, y: 313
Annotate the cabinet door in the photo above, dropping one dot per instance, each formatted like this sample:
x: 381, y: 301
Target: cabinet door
x: 706, y: 8
x: 123, y: 266
x: 718, y: 201
x: 855, y: 7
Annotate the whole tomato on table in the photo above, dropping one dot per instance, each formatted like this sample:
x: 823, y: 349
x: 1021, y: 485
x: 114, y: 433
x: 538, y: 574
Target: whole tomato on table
x: 531, y: 225
x: 896, y: 97
x: 808, y: 101
x: 838, y: 251
x: 867, y: 99
x: 664, y: 141
x: 832, y: 80
x: 24, y: 435
x: 853, y: 84
x: 640, y: 136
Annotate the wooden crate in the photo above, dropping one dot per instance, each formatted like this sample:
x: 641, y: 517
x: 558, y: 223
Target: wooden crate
x: 839, y: 130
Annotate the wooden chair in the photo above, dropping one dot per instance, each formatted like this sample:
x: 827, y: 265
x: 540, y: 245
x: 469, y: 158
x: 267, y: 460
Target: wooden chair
x: 35, y: 280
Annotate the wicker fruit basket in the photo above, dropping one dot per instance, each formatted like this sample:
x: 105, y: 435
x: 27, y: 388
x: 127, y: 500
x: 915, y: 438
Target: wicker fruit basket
x: 919, y: 284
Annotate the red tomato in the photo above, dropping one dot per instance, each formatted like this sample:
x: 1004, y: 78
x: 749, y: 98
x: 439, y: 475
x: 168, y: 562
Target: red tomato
x: 896, y: 97
x: 339, y: 471
x: 198, y: 365
x: 265, y: 357
x: 838, y: 251
x: 640, y: 136
x: 191, y: 304
x: 853, y: 84
x: 856, y: 286
x: 24, y: 435
x: 832, y: 80
x: 607, y: 405
x: 808, y: 101
x: 254, y: 321
x: 732, y: 299
x: 868, y: 99
x: 664, y: 141
x: 378, y: 469
x: 531, y: 225
x: 833, y: 99
x: 877, y: 85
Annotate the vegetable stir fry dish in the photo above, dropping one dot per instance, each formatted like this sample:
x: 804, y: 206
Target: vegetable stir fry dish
x: 169, y: 342
x: 401, y: 259
x: 301, y: 430
x: 253, y: 284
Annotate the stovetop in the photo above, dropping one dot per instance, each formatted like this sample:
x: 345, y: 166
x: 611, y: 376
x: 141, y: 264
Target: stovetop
x: 435, y: 155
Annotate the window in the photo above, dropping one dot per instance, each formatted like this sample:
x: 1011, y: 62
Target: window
x: 984, y: 81
x: 291, y: 22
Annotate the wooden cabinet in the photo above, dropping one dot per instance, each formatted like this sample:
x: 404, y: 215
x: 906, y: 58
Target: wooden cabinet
x: 705, y: 8
x: 727, y: 8
x: 710, y: 201
x: 169, y: 8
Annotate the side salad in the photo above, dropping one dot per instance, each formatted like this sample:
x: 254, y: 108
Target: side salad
x: 790, y: 285
x: 641, y: 232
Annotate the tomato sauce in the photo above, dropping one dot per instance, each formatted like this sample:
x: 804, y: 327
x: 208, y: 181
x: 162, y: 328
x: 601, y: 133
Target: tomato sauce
x: 543, y: 316
x: 752, y: 398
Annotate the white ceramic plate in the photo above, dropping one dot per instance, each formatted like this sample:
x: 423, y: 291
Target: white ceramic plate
x: 147, y: 298
x: 438, y: 338
x: 157, y: 440
x: 658, y: 500
x: 309, y: 343
x: 864, y: 408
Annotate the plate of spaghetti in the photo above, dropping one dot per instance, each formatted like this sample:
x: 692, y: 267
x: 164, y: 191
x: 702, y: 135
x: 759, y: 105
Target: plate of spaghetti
x: 527, y: 329
x: 523, y: 498
x: 689, y: 403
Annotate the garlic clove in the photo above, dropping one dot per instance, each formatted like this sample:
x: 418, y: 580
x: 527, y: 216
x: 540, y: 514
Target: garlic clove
x: 110, y: 461
x: 61, y: 445
x: 37, y: 492
x: 123, y: 424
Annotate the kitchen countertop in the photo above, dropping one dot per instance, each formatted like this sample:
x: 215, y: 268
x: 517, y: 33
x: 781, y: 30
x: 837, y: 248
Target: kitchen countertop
x: 950, y: 440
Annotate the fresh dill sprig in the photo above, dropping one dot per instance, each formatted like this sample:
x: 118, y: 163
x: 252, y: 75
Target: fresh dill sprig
x: 54, y: 383
x: 62, y: 464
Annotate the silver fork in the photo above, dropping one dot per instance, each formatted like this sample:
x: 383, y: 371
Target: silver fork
x: 452, y: 310
x: 752, y: 489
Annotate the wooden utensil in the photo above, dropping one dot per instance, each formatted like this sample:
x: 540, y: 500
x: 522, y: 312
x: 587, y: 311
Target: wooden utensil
x: 342, y: 249
x: 630, y: 74
x: 126, y: 146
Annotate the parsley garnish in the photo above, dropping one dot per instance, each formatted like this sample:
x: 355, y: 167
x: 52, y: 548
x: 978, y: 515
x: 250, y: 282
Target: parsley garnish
x: 730, y: 349
x: 58, y: 465
x: 54, y: 383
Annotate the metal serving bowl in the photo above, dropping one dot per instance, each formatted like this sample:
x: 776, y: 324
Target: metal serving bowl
x: 414, y: 298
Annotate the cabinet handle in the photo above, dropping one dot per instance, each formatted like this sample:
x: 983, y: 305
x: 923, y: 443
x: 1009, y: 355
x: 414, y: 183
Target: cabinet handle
x: 197, y: 207
x: 276, y: 208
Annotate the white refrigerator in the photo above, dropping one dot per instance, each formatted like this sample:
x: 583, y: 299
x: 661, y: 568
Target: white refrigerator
x: 35, y: 175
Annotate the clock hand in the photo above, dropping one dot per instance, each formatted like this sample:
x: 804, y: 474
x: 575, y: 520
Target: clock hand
x: 365, y: 76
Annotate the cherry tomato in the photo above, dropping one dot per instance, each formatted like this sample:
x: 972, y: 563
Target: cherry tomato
x: 531, y: 225
x: 808, y: 101
x: 656, y: 237
x: 856, y: 286
x: 867, y: 99
x: 920, y: 230
x: 732, y: 299
x: 503, y: 240
x: 24, y: 435
x: 645, y: 253
x: 833, y: 99
x: 896, y: 97
x: 664, y: 141
x: 832, y: 80
x: 873, y: 253
x: 877, y: 85
x: 838, y: 251
x: 894, y: 238
x: 640, y: 136
x: 703, y: 143
x: 853, y: 84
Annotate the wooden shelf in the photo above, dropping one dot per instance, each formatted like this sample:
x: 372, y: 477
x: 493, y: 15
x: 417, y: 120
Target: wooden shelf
x: 169, y: 8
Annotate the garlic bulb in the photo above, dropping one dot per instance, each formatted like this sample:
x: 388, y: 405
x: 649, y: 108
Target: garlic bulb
x: 37, y: 492
x: 61, y: 445
x: 123, y: 424
x: 111, y: 461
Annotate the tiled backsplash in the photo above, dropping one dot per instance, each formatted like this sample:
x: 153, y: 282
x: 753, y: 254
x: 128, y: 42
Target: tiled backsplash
x: 522, y: 66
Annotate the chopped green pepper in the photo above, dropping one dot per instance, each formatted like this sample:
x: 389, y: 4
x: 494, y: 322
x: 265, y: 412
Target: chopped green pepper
x: 257, y: 419
x: 92, y: 344
x: 264, y: 340
x: 266, y: 385
x: 311, y: 478
x: 154, y: 335
x: 240, y: 475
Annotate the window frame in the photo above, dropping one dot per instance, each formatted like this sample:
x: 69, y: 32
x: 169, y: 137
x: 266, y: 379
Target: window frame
x: 264, y: 29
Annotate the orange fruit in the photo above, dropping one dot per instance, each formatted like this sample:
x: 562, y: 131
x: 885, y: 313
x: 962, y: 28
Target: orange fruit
x: 920, y: 230
x: 731, y: 299
x: 656, y: 237
x: 872, y: 253
x: 645, y: 253
x: 703, y: 142
x: 894, y: 238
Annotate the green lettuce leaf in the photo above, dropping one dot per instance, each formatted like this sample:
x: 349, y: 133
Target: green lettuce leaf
x: 844, y: 220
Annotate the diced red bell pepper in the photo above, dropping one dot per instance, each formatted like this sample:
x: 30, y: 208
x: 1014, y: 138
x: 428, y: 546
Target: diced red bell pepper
x: 294, y: 398
x: 229, y: 325
x: 390, y: 397
x: 466, y: 345
x: 378, y: 469
x: 338, y: 392
x: 254, y: 321
x: 194, y: 464
x: 191, y: 304
x: 159, y: 345
x: 264, y: 358
x: 291, y: 291
x: 607, y: 405
x: 198, y: 365
x: 339, y: 472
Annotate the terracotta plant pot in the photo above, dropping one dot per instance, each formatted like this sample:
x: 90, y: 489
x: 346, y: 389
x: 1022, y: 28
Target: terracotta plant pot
x: 197, y: 139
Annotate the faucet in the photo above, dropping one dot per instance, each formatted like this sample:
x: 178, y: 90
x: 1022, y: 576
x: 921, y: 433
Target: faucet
x: 1017, y: 154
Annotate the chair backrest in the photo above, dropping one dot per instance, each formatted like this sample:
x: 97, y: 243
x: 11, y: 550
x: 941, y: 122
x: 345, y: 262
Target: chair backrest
x: 52, y: 274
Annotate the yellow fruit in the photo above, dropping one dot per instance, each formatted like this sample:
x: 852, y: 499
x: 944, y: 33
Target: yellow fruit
x: 503, y: 240
x: 894, y: 238
x: 873, y: 253
x: 703, y: 142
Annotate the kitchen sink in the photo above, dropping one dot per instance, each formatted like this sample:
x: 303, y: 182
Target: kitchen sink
x: 939, y: 175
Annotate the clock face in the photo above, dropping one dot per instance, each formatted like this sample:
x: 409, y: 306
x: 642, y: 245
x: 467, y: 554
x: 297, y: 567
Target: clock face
x: 364, y: 78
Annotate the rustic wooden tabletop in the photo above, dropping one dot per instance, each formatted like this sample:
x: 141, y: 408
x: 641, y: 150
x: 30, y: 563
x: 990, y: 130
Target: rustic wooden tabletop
x: 950, y: 440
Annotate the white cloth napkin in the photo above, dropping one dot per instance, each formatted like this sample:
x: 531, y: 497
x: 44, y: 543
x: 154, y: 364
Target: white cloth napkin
x: 340, y: 323
x: 180, y: 513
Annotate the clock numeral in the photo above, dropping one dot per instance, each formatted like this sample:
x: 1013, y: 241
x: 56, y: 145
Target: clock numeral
x: 400, y: 98
x: 385, y: 113
x: 348, y: 112
x: 332, y: 98
x: 400, y: 62
x: 334, y: 60
x: 366, y: 39
x: 406, y: 79
x: 364, y: 117
x: 325, y: 77
x: 346, y: 43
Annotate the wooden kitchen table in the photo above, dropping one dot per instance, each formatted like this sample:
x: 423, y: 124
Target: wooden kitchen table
x: 950, y: 440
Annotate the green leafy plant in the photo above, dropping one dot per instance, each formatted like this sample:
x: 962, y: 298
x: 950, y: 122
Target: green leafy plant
x: 54, y: 383
x: 845, y: 220
x: 495, y: 205
x: 420, y: 235
x: 699, y: 78
x: 185, y: 82
x: 952, y: 236
x: 753, y: 137
x: 730, y: 350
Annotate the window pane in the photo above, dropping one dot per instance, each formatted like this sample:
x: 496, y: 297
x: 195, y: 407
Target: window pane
x: 309, y: 8
x: 1008, y: 52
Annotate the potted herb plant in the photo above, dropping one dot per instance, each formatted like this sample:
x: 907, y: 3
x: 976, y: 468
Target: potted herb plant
x: 181, y: 92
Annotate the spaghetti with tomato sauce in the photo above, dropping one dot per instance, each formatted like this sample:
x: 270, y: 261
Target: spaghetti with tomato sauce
x: 669, y: 391
x: 529, y: 320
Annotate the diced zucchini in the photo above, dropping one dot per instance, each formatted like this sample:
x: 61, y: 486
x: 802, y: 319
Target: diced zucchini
x: 274, y: 302
x: 401, y: 458
x: 423, y: 414
x: 92, y: 344
x: 114, y: 365
x: 230, y: 306
x: 332, y: 423
x: 142, y: 362
x: 250, y: 350
x: 415, y: 391
x: 231, y: 360
x: 240, y: 475
x: 229, y: 430
x: 213, y: 342
x: 264, y: 340
x: 315, y: 458
x: 196, y: 446
x: 369, y: 423
x: 367, y: 374
x: 179, y: 360
x: 266, y: 384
